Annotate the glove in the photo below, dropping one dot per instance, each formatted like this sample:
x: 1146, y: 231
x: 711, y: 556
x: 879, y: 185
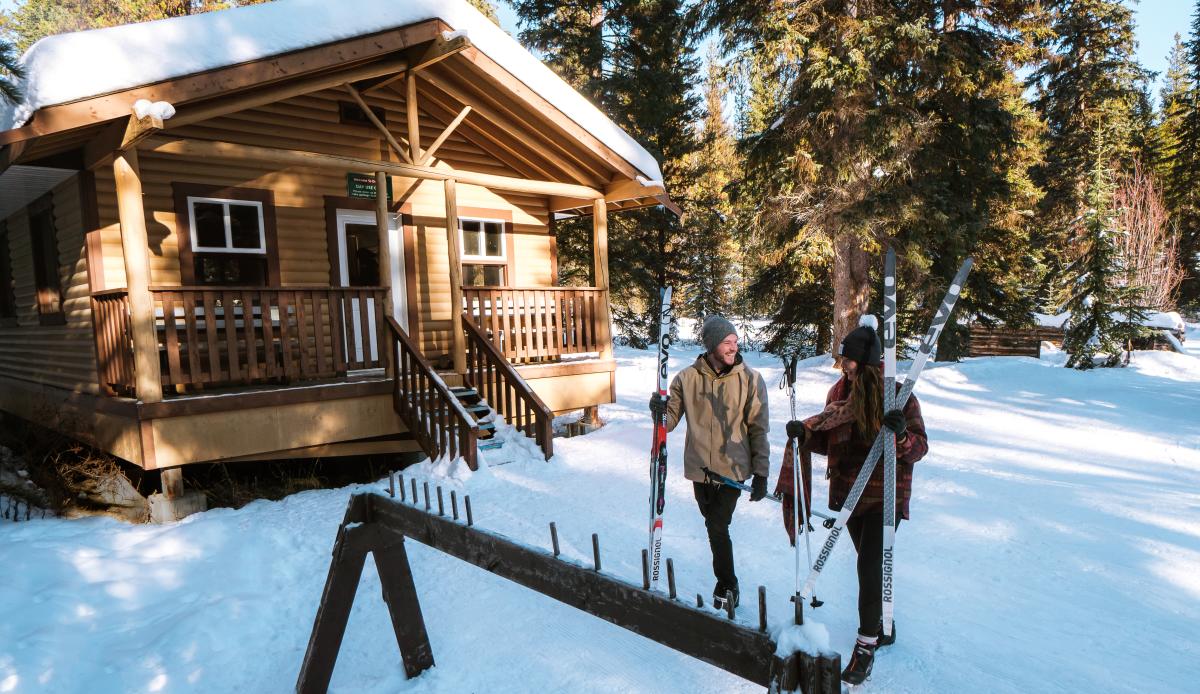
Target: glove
x: 658, y: 405
x: 894, y: 420
x: 758, y: 488
x: 796, y: 430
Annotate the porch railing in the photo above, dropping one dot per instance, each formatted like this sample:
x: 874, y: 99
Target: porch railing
x: 114, y: 341
x: 499, y: 384
x: 424, y: 402
x: 241, y: 335
x: 537, y: 324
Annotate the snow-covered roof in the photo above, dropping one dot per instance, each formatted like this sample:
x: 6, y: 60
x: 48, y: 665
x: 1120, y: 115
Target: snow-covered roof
x: 69, y: 67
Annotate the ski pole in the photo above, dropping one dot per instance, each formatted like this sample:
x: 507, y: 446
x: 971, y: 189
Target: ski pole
x: 722, y: 479
x: 800, y: 505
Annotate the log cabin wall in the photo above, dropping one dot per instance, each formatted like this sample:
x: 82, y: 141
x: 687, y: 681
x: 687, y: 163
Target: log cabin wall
x: 313, y: 123
x: 59, y: 355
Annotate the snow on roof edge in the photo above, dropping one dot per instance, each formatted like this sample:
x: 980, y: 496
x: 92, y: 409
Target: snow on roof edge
x: 80, y: 65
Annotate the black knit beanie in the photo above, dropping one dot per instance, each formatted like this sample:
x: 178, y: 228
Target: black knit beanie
x: 862, y: 343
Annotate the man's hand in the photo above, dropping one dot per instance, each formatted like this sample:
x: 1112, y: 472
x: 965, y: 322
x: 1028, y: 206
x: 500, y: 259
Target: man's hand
x: 796, y: 430
x: 758, y: 488
x: 894, y: 420
x: 658, y: 405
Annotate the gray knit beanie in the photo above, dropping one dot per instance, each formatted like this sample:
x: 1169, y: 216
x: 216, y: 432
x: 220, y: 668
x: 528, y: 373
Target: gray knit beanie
x: 716, y: 328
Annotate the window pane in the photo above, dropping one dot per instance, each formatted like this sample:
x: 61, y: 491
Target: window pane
x: 471, y: 241
x: 244, y: 227
x: 209, y: 219
x: 493, y: 275
x: 494, y: 235
x: 231, y: 269
x: 473, y: 275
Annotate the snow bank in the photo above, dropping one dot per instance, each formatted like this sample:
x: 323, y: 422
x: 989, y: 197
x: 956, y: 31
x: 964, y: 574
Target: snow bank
x: 76, y: 66
x: 1169, y: 320
x: 1054, y: 507
x: 810, y: 637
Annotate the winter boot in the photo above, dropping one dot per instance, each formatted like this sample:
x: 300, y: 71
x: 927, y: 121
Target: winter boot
x: 719, y: 597
x: 886, y: 640
x: 861, y: 661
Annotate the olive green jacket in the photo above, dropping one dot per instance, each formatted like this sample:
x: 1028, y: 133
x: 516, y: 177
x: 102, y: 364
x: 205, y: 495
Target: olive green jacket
x: 727, y: 420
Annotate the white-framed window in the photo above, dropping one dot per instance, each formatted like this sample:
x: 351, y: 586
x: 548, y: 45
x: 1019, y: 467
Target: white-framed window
x: 222, y: 225
x: 484, y: 254
x: 482, y: 239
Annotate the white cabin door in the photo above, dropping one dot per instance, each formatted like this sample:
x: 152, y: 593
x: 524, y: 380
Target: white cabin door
x: 358, y: 250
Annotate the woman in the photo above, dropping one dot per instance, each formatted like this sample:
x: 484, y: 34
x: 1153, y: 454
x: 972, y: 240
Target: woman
x: 844, y: 432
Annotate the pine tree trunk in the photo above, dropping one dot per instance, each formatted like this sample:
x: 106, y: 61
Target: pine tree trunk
x: 851, y: 286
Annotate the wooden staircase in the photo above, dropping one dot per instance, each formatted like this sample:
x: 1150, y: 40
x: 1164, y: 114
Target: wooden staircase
x: 459, y: 421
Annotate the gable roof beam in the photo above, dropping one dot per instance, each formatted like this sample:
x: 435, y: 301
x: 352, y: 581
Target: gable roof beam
x: 229, y: 150
x: 545, y: 147
x: 489, y: 142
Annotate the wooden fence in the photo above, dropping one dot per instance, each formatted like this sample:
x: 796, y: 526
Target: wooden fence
x: 537, y: 324
x: 242, y: 335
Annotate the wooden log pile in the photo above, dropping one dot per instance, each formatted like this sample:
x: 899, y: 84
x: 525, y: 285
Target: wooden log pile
x: 1011, y: 342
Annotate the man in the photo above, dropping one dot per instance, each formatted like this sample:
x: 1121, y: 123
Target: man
x: 725, y: 403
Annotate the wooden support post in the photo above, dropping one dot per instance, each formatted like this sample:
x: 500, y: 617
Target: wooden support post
x: 172, y: 483
x: 382, y: 217
x: 414, y: 123
x: 404, y: 607
x: 457, y: 338
x: 136, y: 249
x: 600, y: 276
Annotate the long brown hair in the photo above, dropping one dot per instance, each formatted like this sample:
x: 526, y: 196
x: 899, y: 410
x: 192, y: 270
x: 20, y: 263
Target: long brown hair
x: 866, y: 400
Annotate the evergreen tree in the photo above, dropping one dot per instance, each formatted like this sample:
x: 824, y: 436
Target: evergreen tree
x: 709, y: 251
x: 634, y: 59
x: 10, y: 73
x: 1183, y: 181
x: 653, y: 54
x: 1096, y: 294
x: 569, y: 36
x: 1173, y: 105
x: 1089, y: 76
x: 898, y: 123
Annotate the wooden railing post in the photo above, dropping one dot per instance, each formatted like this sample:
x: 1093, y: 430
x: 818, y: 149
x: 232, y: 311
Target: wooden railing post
x: 385, y: 258
x: 136, y: 251
x: 600, y: 272
x: 458, y: 344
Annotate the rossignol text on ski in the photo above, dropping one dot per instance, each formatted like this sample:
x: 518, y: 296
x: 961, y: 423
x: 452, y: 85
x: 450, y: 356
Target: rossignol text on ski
x: 910, y: 380
x: 658, y: 449
x: 889, y: 438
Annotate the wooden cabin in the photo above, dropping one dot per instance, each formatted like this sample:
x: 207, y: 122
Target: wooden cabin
x: 231, y: 283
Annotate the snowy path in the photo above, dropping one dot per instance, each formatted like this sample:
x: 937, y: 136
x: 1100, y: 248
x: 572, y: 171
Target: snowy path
x: 1054, y: 546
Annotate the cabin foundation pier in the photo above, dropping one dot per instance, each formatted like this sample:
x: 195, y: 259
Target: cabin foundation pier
x: 174, y: 502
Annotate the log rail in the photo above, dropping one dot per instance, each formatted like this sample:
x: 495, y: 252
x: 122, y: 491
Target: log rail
x: 498, y: 383
x: 221, y: 336
x: 425, y: 404
x: 531, y: 325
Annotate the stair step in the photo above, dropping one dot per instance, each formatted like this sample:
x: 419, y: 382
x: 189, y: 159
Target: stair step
x: 479, y: 408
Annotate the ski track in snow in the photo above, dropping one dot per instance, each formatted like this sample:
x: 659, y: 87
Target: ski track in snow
x: 1054, y: 546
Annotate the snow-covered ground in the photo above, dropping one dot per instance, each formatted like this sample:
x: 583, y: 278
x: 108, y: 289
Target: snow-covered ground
x: 1054, y: 546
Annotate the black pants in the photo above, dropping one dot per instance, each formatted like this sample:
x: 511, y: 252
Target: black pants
x: 716, y: 502
x: 867, y: 533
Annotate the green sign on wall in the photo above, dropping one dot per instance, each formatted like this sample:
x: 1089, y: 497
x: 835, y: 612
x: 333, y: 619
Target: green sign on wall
x: 360, y: 185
